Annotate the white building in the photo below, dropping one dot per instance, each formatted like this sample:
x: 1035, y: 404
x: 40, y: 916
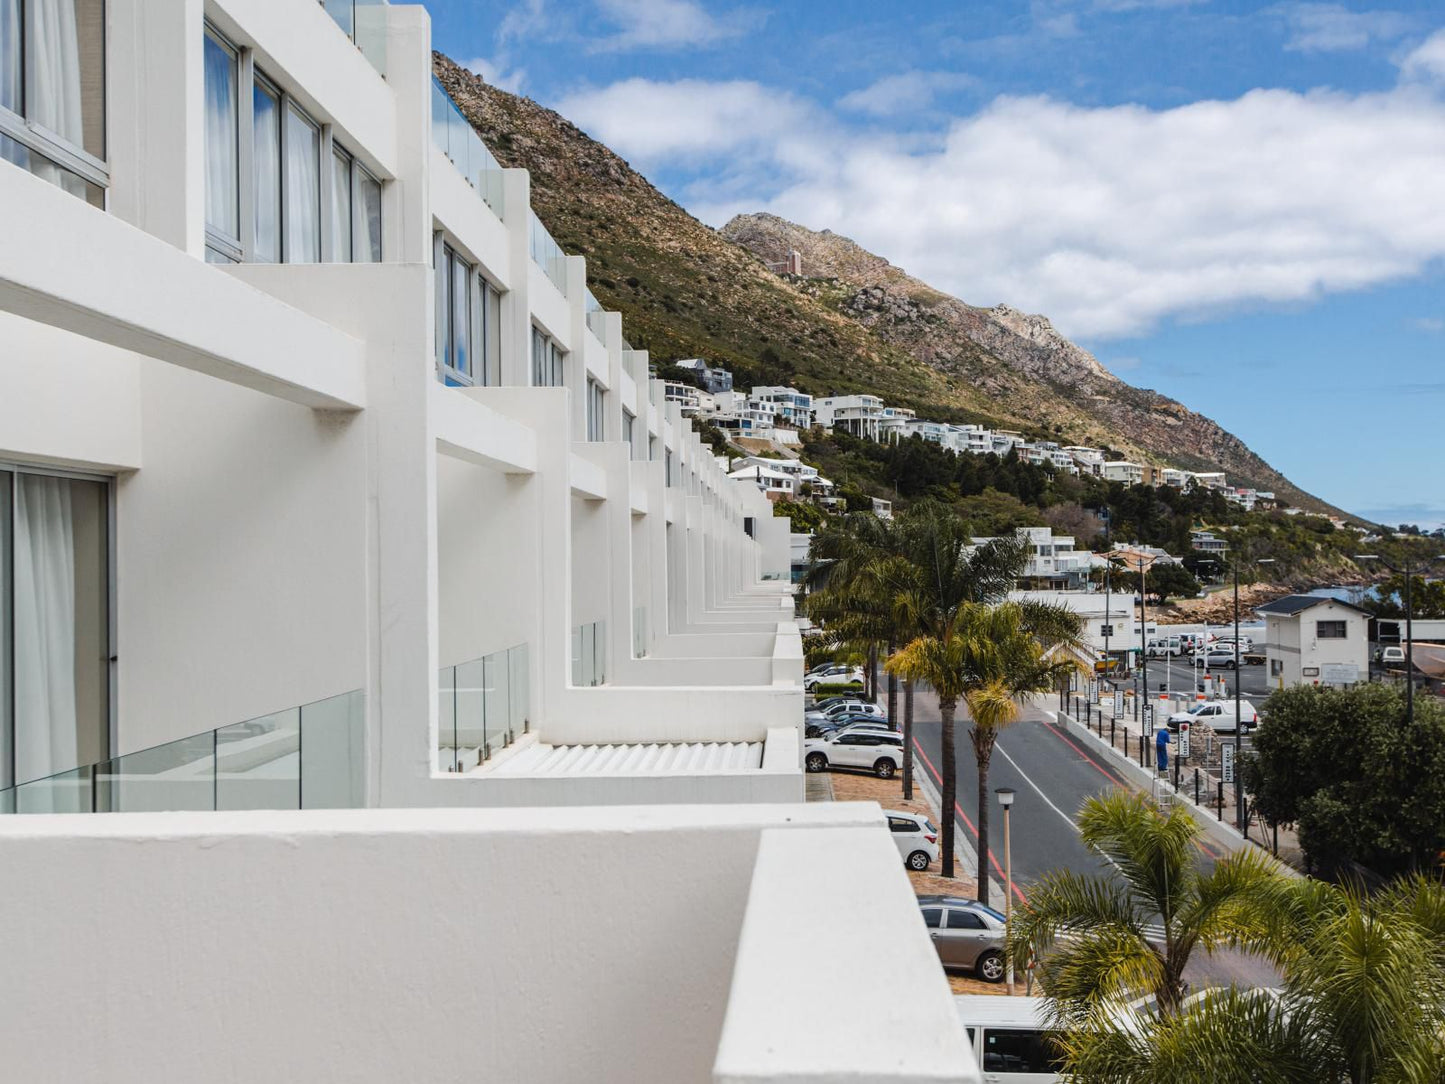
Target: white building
x: 1312, y: 640
x: 860, y: 415
x: 1121, y: 470
x: 1055, y: 563
x: 791, y: 407
x: 324, y: 482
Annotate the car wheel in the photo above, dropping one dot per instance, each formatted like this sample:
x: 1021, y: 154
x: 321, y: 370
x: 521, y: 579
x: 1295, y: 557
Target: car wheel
x: 883, y: 768
x: 816, y: 762
x: 990, y: 967
x: 918, y: 860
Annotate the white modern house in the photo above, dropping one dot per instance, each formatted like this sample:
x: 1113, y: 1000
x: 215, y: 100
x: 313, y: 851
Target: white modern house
x: 1312, y: 640
x: 791, y: 407
x: 1121, y: 470
x: 859, y: 415
x: 329, y: 497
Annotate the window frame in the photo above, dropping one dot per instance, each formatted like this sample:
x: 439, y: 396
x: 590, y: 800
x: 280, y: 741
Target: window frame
x: 549, y: 361
x: 1342, y: 624
x: 290, y: 111
x: 596, y: 400
x: 484, y: 317
x: 50, y: 145
x: 15, y: 469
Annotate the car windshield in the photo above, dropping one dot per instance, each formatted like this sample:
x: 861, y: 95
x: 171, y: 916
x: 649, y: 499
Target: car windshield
x: 1196, y: 709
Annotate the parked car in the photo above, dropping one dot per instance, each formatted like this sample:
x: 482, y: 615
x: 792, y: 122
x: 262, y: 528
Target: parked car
x: 1246, y: 645
x: 966, y: 933
x: 1215, y: 658
x: 880, y: 752
x: 840, y: 708
x: 1218, y: 715
x: 848, y: 722
x: 916, y: 837
x: 1392, y: 656
x: 848, y: 676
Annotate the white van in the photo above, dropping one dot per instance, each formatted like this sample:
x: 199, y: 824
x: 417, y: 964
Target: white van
x: 1010, y: 1038
x: 1218, y: 715
x: 1165, y: 646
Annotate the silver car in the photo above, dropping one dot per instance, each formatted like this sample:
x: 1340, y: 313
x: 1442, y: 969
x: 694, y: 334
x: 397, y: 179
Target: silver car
x: 966, y: 933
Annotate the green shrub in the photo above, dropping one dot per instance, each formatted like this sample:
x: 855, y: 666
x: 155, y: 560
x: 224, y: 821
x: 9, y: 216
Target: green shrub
x: 836, y: 689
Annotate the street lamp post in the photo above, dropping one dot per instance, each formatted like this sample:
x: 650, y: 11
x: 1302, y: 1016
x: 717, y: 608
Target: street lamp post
x: 1238, y: 715
x: 1147, y: 724
x: 1006, y: 799
x: 1408, y: 572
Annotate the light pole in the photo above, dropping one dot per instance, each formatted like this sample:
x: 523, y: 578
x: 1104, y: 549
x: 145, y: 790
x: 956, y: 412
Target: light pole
x: 1238, y: 726
x: 1408, y: 572
x: 1006, y: 799
x: 1148, y: 723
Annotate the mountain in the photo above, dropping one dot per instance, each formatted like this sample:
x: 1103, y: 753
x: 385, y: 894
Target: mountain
x: 855, y: 323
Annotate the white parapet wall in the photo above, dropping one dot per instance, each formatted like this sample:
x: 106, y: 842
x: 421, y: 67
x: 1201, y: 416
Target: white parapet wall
x: 789, y: 1019
x: 392, y: 945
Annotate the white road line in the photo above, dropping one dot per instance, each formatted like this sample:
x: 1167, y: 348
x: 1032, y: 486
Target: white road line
x: 1048, y: 801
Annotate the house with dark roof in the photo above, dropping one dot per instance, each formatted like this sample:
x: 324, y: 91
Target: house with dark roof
x: 1315, y: 640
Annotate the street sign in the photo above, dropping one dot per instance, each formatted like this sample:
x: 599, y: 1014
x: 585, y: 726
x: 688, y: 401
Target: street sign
x: 1227, y: 752
x: 1339, y: 673
x: 1183, y: 740
x: 1106, y: 630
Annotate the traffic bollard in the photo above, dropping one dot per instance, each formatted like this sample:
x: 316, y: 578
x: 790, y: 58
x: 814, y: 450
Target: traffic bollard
x: 1221, y: 799
x: 1196, y: 786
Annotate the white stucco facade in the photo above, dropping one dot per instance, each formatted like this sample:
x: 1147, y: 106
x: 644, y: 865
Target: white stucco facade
x: 395, y: 521
x: 1315, y: 641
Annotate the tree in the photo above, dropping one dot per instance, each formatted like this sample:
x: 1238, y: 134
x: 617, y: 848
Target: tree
x: 1090, y: 932
x: 968, y: 649
x: 805, y: 517
x: 1361, y: 1002
x: 1427, y: 597
x: 1363, y: 790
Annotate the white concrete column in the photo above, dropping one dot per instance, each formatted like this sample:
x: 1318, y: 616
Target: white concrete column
x: 155, y: 119
x: 516, y: 308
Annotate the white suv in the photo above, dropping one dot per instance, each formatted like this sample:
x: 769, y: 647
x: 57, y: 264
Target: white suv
x: 840, y: 708
x: 881, y: 753
x: 916, y: 837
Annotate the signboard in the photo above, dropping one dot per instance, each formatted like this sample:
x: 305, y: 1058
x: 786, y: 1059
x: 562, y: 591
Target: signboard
x: 1106, y: 630
x: 1106, y: 705
x: 1183, y: 740
x: 1339, y: 673
x: 1227, y: 752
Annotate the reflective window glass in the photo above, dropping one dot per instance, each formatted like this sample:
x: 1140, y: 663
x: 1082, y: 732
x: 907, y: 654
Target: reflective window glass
x: 266, y: 161
x: 223, y: 201
x: 303, y: 188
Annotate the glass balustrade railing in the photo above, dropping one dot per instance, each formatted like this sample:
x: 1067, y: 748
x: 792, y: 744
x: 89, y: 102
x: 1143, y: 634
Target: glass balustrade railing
x: 483, y: 706
x: 596, y: 317
x: 455, y: 137
x: 364, y: 22
x: 308, y: 757
x: 547, y: 254
x: 589, y: 654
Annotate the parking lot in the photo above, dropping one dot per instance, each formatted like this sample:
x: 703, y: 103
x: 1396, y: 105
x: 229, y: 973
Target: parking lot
x: 1181, y: 677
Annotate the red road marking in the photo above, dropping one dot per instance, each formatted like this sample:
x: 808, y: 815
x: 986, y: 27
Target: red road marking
x: 993, y: 861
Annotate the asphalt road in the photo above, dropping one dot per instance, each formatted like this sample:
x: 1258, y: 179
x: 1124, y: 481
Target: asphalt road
x: 1052, y: 774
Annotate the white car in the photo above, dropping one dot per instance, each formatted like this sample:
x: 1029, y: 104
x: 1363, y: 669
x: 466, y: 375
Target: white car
x: 843, y: 675
x: 839, y: 708
x: 916, y: 837
x: 880, y: 753
x: 1246, y: 645
x: 1218, y: 715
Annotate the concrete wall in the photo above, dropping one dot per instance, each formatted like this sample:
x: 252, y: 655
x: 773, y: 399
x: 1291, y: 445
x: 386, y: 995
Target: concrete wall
x: 398, y: 944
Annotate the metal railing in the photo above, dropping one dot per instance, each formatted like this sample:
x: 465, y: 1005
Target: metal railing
x: 307, y: 757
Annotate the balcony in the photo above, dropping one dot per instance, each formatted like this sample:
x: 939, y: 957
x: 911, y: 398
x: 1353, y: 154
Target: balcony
x: 547, y: 254
x: 455, y: 137
x: 364, y: 22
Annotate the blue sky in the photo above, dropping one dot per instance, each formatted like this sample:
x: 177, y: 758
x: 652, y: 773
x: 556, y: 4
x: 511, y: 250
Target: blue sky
x: 1239, y: 205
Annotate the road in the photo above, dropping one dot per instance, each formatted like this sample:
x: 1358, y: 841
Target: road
x: 1052, y: 774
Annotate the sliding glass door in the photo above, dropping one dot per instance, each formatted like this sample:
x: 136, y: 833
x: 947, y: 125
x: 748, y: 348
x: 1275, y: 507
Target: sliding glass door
x: 54, y: 624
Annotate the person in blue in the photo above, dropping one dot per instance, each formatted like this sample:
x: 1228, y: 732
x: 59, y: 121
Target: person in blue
x: 1161, y: 748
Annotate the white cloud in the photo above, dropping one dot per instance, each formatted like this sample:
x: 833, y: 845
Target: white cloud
x: 1432, y: 324
x: 1333, y: 27
x: 903, y: 93
x: 660, y: 24
x: 1106, y: 219
x: 1427, y: 61
x: 496, y: 72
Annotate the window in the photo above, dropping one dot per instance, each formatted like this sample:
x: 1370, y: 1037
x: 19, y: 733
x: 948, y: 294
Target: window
x: 54, y: 626
x: 902, y: 824
x: 1276, y: 667
x: 1330, y: 630
x: 933, y: 917
x: 964, y: 920
x: 278, y: 186
x: 596, y: 411
x: 547, y: 361
x: 667, y: 466
x: 1009, y: 1051
x: 629, y: 421
x: 454, y: 317
x: 52, y: 92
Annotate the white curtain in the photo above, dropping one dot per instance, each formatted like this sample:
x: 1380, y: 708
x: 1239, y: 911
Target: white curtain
x: 267, y: 160
x: 303, y: 190
x: 45, y: 633
x: 54, y: 101
x: 223, y: 200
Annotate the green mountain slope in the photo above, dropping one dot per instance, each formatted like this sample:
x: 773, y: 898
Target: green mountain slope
x: 685, y: 290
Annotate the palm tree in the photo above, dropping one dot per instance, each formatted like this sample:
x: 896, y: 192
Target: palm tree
x: 989, y: 657
x: 1362, y: 1001
x: 1093, y: 934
